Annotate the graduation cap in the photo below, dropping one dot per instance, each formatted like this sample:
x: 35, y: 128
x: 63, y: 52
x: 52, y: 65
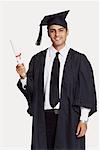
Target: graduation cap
x: 57, y: 19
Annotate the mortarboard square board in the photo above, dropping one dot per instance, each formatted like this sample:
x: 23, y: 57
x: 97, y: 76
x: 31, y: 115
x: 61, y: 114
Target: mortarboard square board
x: 57, y: 19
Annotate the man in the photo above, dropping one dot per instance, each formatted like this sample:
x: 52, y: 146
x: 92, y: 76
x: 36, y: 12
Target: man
x: 59, y: 87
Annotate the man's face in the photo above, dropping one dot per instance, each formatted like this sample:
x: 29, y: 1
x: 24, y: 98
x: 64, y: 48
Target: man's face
x: 57, y: 35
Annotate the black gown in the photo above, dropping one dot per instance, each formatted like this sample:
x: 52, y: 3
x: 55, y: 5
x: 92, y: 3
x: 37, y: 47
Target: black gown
x: 77, y: 90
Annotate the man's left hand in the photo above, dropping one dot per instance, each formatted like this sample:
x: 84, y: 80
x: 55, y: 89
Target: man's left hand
x: 81, y: 129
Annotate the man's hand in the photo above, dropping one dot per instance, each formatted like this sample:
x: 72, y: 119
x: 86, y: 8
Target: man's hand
x: 81, y: 129
x: 20, y: 68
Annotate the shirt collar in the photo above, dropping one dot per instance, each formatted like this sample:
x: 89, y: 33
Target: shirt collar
x: 63, y: 51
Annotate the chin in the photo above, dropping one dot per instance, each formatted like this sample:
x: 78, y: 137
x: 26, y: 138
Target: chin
x: 58, y: 44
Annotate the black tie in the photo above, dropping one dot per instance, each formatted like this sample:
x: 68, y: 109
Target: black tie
x: 54, y: 83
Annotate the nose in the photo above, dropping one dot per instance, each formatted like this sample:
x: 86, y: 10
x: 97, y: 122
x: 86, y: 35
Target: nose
x: 57, y: 33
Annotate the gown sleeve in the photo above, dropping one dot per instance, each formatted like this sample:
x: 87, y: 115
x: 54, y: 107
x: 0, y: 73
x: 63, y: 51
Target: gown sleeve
x: 29, y: 86
x: 86, y: 93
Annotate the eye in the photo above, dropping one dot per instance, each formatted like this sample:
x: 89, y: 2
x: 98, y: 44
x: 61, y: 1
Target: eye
x: 52, y: 30
x: 61, y: 29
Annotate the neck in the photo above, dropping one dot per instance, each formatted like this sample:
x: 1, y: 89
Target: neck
x: 59, y: 47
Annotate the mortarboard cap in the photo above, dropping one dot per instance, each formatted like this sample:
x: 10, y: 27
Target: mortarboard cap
x: 57, y: 19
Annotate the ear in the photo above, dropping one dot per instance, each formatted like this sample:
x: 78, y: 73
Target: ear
x: 67, y: 31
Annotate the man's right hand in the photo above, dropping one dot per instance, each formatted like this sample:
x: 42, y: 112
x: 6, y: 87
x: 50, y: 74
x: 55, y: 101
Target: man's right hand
x: 21, y: 70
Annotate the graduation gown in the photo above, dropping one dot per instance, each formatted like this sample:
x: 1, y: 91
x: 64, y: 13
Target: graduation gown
x: 78, y: 89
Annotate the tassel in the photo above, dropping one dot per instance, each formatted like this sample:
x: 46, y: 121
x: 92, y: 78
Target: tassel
x: 39, y: 37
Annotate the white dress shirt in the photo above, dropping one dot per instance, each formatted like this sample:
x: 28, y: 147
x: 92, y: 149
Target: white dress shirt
x: 50, y: 55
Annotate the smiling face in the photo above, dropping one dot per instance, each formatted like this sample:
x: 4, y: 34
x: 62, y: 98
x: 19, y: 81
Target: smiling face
x: 58, y: 35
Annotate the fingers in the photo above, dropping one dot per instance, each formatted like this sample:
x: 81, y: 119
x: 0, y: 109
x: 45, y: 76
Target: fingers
x: 78, y: 130
x: 19, y: 65
x: 81, y: 129
x: 20, y: 68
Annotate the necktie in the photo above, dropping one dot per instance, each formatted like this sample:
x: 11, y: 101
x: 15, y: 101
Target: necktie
x: 54, y: 83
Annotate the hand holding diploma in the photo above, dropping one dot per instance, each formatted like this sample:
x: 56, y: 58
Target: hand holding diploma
x: 21, y: 70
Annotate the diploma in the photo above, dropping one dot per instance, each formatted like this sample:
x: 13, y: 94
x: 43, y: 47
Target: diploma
x: 17, y: 54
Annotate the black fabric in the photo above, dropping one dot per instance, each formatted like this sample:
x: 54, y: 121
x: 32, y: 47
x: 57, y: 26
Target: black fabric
x: 51, y: 124
x: 54, y: 83
x: 77, y: 90
x: 52, y: 19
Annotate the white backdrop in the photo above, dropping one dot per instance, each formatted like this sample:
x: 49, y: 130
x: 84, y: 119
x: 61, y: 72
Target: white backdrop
x: 20, y: 23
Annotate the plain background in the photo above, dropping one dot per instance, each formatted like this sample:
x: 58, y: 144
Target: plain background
x: 19, y: 22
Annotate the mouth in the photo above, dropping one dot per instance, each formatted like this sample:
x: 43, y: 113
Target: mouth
x: 57, y: 39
